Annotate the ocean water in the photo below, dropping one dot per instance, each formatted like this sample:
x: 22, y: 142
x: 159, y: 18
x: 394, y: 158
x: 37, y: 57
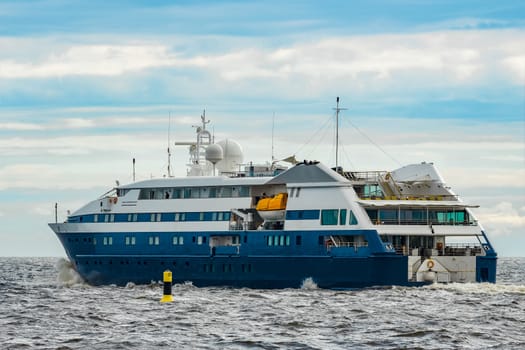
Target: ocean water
x: 43, y: 305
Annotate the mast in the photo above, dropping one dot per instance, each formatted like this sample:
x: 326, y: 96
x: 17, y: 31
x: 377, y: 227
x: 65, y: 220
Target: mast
x: 273, y: 127
x: 337, y: 109
x: 169, y: 151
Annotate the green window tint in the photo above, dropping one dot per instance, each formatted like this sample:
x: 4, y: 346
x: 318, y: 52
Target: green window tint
x: 342, y: 217
x: 275, y: 240
x: 353, y: 219
x: 329, y: 217
x: 270, y: 240
x: 244, y: 191
x: 287, y: 240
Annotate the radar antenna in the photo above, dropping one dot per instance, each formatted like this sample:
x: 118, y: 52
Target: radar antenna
x: 337, y: 110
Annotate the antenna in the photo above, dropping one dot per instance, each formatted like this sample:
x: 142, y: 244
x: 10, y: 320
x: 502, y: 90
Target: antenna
x: 169, y: 151
x: 133, y: 169
x: 337, y: 109
x: 273, y: 127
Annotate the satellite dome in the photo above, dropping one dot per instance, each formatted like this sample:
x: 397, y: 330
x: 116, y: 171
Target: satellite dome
x: 214, y: 153
x: 232, y: 157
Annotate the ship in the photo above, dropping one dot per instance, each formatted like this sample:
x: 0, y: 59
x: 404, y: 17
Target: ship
x: 230, y: 223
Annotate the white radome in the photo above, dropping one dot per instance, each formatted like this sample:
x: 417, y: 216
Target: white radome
x: 232, y: 157
x: 214, y: 153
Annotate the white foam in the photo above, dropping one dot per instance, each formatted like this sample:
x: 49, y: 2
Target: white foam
x: 309, y: 283
x: 67, y: 275
x: 480, y: 288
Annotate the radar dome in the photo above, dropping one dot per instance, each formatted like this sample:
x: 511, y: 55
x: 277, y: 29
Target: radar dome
x: 214, y: 153
x: 232, y: 157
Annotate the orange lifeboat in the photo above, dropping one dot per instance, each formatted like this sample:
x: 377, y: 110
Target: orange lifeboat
x: 272, y: 208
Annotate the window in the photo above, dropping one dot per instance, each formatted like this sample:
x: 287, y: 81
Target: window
x: 175, y: 240
x: 181, y: 240
x: 353, y: 219
x: 226, y: 192
x: 128, y: 240
x: 153, y: 240
x: 270, y: 240
x: 298, y: 191
x: 297, y: 240
x: 155, y: 217
x: 329, y: 217
x: 105, y: 241
x: 244, y: 191
x: 287, y: 240
x: 342, y: 217
x: 133, y: 241
x: 199, y: 240
x: 95, y: 218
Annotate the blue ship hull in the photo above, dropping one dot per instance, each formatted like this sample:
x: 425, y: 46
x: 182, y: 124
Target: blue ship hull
x: 251, y: 272
x: 252, y: 264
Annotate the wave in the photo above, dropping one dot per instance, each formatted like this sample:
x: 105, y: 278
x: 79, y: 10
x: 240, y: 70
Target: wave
x: 480, y: 288
x: 67, y: 275
x: 309, y: 283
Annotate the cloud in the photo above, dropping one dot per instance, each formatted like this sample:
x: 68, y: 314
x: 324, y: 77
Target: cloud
x: 447, y: 56
x: 97, y: 60
x: 15, y: 126
x: 502, y: 219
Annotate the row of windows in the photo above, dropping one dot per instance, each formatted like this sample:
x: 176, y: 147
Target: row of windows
x: 153, y: 217
x: 205, y: 267
x: 225, y: 268
x: 278, y: 240
x: 195, y: 192
x: 337, y: 216
x: 152, y: 240
x: 328, y: 216
x: 419, y: 216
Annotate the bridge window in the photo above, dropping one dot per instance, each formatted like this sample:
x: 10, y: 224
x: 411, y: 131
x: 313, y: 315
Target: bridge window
x: 329, y: 217
x: 353, y: 219
x: 342, y: 217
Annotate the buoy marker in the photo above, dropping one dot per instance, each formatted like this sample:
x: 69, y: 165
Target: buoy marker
x: 167, y: 297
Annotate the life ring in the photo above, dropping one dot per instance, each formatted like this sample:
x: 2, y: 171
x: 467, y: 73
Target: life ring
x: 113, y: 200
x: 430, y: 264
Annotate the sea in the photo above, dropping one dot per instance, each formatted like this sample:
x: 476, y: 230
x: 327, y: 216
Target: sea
x: 45, y: 305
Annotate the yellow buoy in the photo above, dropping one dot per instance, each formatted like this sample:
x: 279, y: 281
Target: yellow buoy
x: 167, y: 279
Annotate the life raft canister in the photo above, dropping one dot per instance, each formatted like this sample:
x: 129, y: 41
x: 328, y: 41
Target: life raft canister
x: 430, y: 264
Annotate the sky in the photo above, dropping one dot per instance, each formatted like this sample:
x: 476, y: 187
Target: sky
x: 85, y: 87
